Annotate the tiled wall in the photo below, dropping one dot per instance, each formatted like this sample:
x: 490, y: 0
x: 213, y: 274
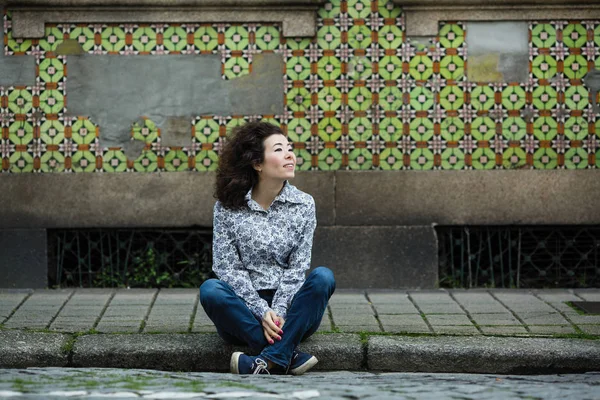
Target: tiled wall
x: 359, y: 96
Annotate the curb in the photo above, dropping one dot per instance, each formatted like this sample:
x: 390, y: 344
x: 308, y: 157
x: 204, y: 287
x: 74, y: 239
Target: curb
x: 208, y: 352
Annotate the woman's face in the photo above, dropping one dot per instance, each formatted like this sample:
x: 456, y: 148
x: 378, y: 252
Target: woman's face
x: 279, y: 159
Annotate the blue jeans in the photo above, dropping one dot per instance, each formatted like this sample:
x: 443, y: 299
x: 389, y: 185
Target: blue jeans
x: 236, y: 324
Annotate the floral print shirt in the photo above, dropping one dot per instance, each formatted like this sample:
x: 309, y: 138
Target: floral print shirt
x: 256, y: 249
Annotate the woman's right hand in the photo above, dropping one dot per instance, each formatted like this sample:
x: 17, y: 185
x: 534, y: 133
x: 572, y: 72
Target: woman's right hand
x: 270, y: 329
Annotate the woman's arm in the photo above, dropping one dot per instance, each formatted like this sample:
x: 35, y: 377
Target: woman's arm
x: 299, y: 263
x: 228, y: 265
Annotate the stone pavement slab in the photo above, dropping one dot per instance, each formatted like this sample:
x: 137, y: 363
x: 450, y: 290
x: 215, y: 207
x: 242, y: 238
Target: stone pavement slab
x: 39, y: 309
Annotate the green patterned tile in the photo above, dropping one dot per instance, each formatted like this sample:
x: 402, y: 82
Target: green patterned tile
x: 545, y: 128
x: 387, y: 9
x: 452, y: 98
x: 391, y: 159
x: 483, y: 128
x: 360, y: 129
x: 298, y: 68
x: 330, y: 159
x: 452, y: 67
x: 451, y: 36
x: 176, y: 160
x: 144, y: 39
x: 83, y: 131
x: 544, y: 67
x: 298, y: 99
x: 299, y: 130
x: 148, y: 133
x: 452, y: 129
x: 206, y: 131
x: 330, y: 98
x: 513, y: 158
x: 453, y: 159
x: 83, y: 161
x: 113, y: 39
x: 329, y: 68
x: 576, y: 98
x: 146, y: 162
x: 236, y: 67
x: 52, y: 161
x: 544, y: 98
x: 51, y: 70
x: 421, y: 67
x: 543, y: 35
x: 421, y: 98
x: 545, y: 158
x: 576, y: 128
x: 18, y: 45
x: 84, y: 35
x: 303, y: 160
x: 329, y: 37
x: 52, y: 132
x: 206, y: 38
x: 360, y: 159
x: 390, y: 68
x: 359, y: 9
x: 360, y: 68
x: 206, y: 160
x: 20, y: 133
x: 20, y: 101
x: 53, y: 37
x: 359, y: 37
x: 513, y: 98
x: 390, y: 129
x: 236, y: 38
x: 330, y: 10
x: 114, y: 161
x: 483, y: 159
x: 267, y: 38
x: 175, y: 38
x: 483, y: 98
x: 576, y: 158
x: 20, y: 162
x: 360, y: 98
x: 330, y: 129
x: 390, y: 37
x: 421, y: 159
x: 390, y: 98
x: 52, y: 101
x: 421, y: 129
x: 574, y: 35
x: 575, y: 67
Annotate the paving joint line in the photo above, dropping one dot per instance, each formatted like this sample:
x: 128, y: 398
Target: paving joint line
x: 193, y: 316
x: 421, y: 313
x: 331, y: 322
x: 512, y: 312
x: 99, y: 318
x: 577, y: 329
x: 374, y: 311
x: 17, y: 307
x: 61, y: 308
x: 466, y: 312
x: 145, y: 320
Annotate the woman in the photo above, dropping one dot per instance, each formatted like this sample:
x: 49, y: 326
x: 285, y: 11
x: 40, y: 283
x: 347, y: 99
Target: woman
x: 263, y: 232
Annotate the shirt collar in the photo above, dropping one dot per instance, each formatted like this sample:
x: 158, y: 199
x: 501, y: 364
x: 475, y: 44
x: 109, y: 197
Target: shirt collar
x: 289, y: 193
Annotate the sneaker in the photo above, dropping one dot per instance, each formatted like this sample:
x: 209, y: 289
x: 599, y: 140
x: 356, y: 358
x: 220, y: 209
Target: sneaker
x: 248, y: 365
x: 301, y: 362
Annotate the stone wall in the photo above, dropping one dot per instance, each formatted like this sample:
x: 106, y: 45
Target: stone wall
x: 395, y: 132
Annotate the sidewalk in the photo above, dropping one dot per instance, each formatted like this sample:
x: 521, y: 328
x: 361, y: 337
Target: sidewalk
x: 485, y: 331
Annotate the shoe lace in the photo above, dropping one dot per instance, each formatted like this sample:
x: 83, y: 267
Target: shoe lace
x: 261, y: 367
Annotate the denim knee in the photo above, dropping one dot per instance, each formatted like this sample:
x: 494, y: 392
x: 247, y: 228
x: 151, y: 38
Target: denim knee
x: 323, y: 277
x: 209, y: 291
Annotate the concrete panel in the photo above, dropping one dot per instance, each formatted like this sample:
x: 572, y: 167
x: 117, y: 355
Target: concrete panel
x: 467, y: 197
x: 16, y: 70
x: 378, y: 257
x: 23, y: 258
x: 182, y: 199
x: 498, y: 51
x: 95, y: 89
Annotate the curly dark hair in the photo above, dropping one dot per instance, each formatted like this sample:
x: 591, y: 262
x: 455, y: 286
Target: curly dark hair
x: 236, y: 174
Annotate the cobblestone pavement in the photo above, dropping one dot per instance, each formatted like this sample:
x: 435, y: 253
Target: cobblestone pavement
x: 59, y: 383
x: 439, y: 312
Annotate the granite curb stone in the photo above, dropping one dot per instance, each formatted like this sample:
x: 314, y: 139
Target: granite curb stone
x: 19, y: 349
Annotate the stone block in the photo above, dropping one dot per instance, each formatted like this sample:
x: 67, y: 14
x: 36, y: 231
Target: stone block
x: 479, y: 354
x: 404, y: 256
x: 32, y: 349
x: 505, y: 318
x: 23, y: 258
x: 431, y: 197
x: 508, y: 330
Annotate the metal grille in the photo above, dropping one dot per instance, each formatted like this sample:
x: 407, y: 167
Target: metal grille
x: 519, y: 257
x: 129, y: 258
